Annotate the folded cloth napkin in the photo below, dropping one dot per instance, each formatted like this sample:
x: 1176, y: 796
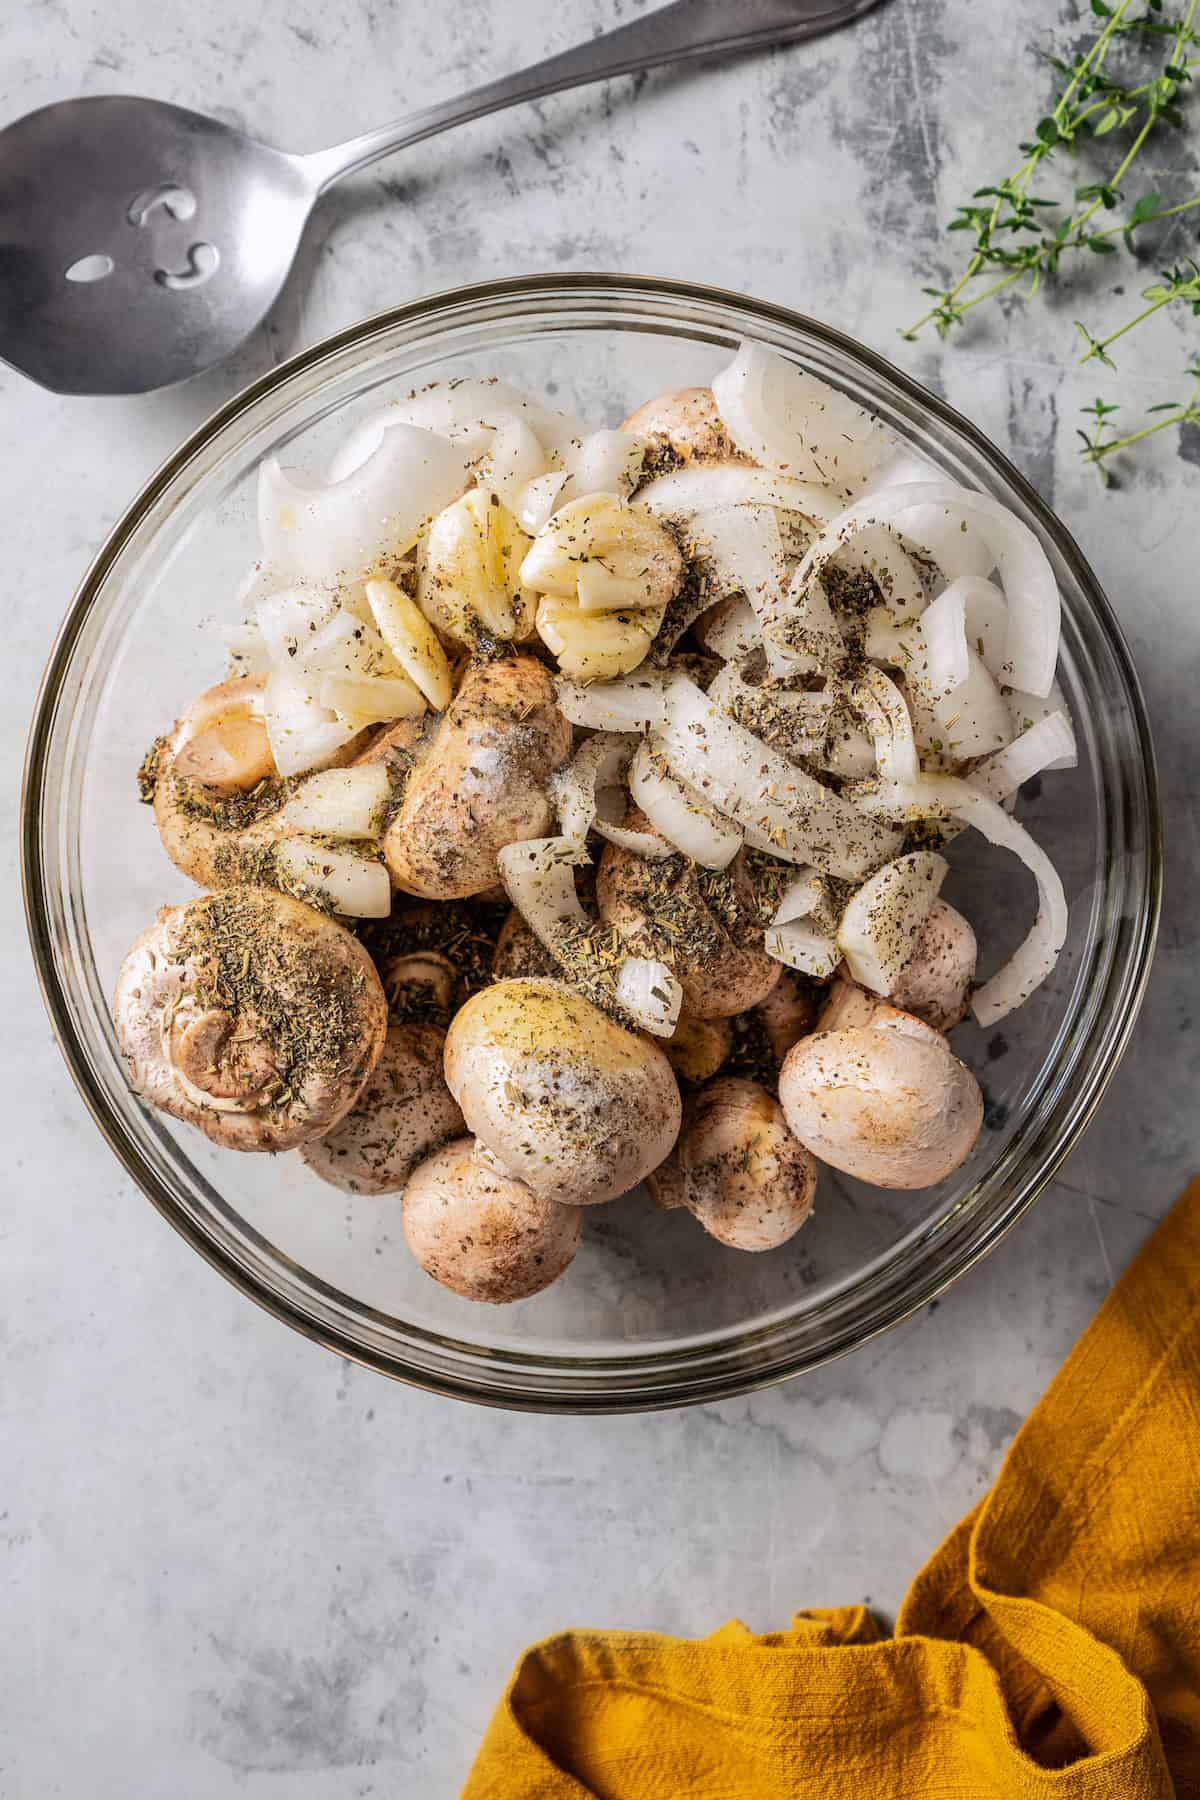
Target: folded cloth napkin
x: 1050, y: 1648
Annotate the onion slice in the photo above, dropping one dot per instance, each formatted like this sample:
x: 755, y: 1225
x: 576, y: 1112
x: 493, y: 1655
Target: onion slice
x: 784, y: 418
x: 939, y: 795
x: 577, y: 791
x: 1029, y: 709
x: 679, y: 812
x: 339, y: 530
x: 470, y: 412
x: 1031, y: 647
x: 1048, y: 744
x: 686, y: 492
x: 802, y: 934
x: 882, y: 921
x: 780, y: 807
x: 632, y: 704
x: 888, y: 720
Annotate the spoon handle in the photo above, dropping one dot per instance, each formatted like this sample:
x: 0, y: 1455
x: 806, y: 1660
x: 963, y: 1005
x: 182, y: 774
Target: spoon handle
x: 687, y: 28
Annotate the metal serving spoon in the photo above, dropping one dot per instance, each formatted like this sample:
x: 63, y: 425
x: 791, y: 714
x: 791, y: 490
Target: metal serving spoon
x: 141, y: 243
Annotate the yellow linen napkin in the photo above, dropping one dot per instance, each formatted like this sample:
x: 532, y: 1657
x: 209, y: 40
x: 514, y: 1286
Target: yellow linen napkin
x: 1051, y: 1647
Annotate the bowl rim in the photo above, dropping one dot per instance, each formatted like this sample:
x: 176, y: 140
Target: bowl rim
x: 734, y: 1376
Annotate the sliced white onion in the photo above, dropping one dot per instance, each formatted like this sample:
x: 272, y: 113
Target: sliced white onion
x: 604, y: 462
x: 944, y: 629
x: 247, y: 647
x: 355, y: 885
x: 939, y: 795
x: 972, y: 720
x: 1030, y: 589
x: 785, y: 418
x: 800, y: 634
x: 578, y: 792
x: 955, y: 545
x: 804, y: 946
x: 345, y: 646
x: 797, y: 818
x: 515, y: 458
x: 340, y: 803
x: 882, y: 921
x: 538, y: 879
x: 303, y: 735
x: 679, y: 812
x: 340, y: 530
x: 1048, y: 744
x: 685, y: 492
x: 469, y: 412
x: 730, y: 630
x: 632, y: 704
x: 1030, y: 709
x: 534, y: 503
x: 651, y: 994
x: 890, y: 725
x: 292, y: 617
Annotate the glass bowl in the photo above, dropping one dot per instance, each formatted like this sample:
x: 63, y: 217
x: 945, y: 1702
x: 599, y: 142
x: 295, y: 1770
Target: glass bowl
x: 652, y: 1312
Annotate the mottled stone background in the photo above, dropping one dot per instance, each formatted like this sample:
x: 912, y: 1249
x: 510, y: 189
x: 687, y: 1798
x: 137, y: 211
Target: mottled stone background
x: 235, y: 1567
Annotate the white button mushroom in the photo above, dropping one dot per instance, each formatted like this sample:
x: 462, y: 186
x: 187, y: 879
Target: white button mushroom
x: 250, y: 1016
x: 936, y: 983
x: 564, y: 1098
x: 404, y: 1112
x: 482, y: 783
x: 738, y: 1168
x: 483, y: 1234
x: 885, y: 1099
x: 788, y: 1013
x: 699, y: 1047
x: 703, y: 923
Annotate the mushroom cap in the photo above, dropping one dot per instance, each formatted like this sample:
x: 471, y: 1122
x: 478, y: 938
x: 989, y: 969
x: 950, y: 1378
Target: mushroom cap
x: 699, y: 1047
x: 887, y: 1102
x: 935, y: 983
x: 686, y: 422
x: 422, y: 986
x: 564, y: 1098
x: 847, y: 1005
x: 404, y: 1112
x: 665, y: 911
x: 788, y: 1013
x: 250, y: 1016
x: 481, y: 784
x: 743, y: 1175
x: 480, y: 1232
x: 520, y: 952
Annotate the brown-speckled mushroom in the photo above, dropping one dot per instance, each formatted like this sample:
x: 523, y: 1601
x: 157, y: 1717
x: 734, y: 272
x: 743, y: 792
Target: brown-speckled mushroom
x: 936, y: 983
x: 683, y: 426
x: 480, y: 1232
x: 564, y: 1098
x: 250, y: 1016
x: 702, y: 922
x: 481, y: 784
x: 737, y: 1168
x: 788, y: 1013
x: 518, y: 952
x: 885, y: 1099
x: 404, y: 1113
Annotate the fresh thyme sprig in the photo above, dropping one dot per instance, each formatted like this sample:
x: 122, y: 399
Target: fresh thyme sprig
x: 1021, y: 234
x: 1103, y: 441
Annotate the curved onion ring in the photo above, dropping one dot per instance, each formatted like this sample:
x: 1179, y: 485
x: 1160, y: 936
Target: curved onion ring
x: 785, y: 418
x: 1031, y: 648
x: 679, y: 812
x: 339, y: 530
x: 778, y: 805
x: 467, y: 411
x: 602, y: 763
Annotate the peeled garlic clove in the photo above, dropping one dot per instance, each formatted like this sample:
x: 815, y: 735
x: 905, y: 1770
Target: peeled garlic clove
x: 412, y: 641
